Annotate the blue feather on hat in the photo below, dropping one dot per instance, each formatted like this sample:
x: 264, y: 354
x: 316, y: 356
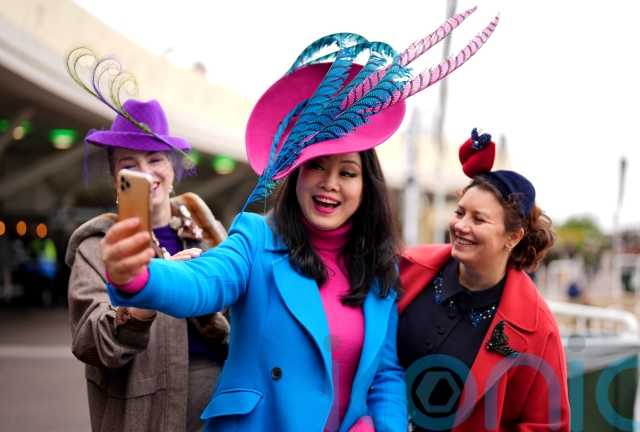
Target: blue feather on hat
x: 339, y: 106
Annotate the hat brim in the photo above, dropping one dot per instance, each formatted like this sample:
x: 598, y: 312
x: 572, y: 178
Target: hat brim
x: 285, y: 95
x: 139, y: 141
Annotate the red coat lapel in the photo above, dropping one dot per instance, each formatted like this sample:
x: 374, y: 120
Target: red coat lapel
x: 417, y: 267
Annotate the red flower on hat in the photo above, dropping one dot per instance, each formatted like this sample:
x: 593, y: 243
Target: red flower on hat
x: 477, y: 154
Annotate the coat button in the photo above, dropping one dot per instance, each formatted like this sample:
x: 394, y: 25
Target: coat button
x: 276, y: 373
x: 440, y: 330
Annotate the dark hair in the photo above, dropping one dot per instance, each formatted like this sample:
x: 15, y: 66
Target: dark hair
x: 370, y: 251
x: 174, y: 157
x: 538, y: 233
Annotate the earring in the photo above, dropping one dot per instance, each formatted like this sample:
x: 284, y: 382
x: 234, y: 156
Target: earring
x: 171, y: 191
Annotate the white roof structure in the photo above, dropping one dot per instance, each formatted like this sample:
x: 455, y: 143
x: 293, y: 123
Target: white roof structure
x: 35, y: 37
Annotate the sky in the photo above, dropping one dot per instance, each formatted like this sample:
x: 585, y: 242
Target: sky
x: 558, y: 78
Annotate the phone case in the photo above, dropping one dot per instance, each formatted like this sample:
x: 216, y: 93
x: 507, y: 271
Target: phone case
x: 134, y: 197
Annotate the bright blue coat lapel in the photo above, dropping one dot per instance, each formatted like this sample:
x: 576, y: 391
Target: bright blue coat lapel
x: 302, y: 298
x: 376, y: 319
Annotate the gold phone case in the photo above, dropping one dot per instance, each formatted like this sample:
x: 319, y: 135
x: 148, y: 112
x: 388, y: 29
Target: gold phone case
x: 134, y: 197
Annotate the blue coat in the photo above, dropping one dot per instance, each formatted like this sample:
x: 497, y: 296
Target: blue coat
x: 278, y: 376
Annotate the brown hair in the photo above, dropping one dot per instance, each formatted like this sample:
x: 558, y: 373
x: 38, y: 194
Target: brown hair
x: 538, y: 232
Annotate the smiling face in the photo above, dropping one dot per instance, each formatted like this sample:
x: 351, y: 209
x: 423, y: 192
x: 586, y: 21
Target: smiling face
x: 329, y: 189
x: 478, y: 235
x: 157, y: 164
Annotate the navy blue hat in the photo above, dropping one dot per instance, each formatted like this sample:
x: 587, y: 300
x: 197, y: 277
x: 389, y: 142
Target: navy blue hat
x: 477, y: 155
x: 515, y: 186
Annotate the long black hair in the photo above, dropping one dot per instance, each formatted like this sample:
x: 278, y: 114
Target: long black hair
x: 372, y: 245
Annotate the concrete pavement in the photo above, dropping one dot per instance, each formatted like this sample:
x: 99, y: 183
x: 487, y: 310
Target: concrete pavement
x: 42, y: 386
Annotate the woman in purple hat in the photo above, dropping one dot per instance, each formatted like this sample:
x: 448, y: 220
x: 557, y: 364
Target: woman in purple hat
x: 145, y: 371
x: 481, y: 349
x: 312, y: 286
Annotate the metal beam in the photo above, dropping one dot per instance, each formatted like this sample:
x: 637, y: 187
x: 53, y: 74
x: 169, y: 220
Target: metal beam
x: 439, y: 202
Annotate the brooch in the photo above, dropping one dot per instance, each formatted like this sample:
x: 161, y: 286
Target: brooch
x: 499, y: 342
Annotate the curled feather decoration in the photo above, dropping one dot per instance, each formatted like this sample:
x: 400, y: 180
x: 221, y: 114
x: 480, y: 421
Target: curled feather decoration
x: 105, y: 79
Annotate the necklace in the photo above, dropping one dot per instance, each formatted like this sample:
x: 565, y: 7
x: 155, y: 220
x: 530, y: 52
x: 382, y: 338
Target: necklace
x: 475, y: 315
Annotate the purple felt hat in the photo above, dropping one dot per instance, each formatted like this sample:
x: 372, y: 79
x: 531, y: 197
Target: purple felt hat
x: 125, y: 134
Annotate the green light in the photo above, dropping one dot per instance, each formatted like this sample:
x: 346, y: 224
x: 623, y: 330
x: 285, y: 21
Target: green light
x: 223, y: 164
x: 26, y: 125
x: 194, y: 157
x: 62, y: 139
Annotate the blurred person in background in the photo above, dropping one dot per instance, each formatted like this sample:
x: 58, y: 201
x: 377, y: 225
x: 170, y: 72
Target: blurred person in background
x: 146, y: 371
x: 471, y: 310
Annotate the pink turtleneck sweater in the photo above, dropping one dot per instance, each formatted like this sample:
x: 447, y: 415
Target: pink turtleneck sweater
x: 346, y: 324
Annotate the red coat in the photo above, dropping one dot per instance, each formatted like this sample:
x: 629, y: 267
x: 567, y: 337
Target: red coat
x: 513, y: 393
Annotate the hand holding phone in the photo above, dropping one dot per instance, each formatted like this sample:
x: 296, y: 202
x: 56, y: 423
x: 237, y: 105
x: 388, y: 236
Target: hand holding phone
x: 126, y: 251
x: 126, y: 246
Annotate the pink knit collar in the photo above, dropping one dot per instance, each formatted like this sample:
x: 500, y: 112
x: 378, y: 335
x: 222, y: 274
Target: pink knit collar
x: 328, y: 240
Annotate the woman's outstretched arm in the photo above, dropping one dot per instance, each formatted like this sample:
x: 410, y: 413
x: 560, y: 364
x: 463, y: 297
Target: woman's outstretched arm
x: 205, y: 284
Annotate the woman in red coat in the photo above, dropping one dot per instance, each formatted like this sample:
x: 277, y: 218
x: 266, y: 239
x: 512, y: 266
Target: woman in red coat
x: 481, y: 348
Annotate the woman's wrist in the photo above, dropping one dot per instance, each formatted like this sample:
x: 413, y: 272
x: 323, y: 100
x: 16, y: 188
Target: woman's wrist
x: 135, y: 285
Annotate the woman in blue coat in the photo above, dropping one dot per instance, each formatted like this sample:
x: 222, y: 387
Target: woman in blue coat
x: 312, y: 286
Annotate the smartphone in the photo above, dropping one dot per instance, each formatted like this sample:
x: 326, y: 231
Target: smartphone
x: 134, y: 197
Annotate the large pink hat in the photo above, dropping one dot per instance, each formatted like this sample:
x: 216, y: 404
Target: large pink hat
x: 327, y: 104
x: 289, y: 91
